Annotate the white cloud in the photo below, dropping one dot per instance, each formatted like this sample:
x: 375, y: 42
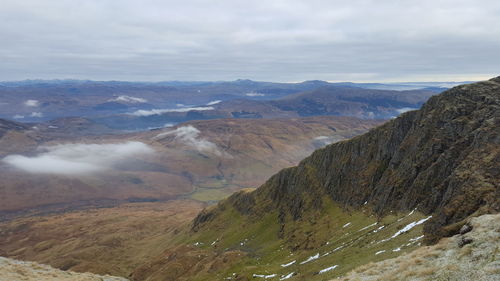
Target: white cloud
x: 254, y: 94
x: 36, y: 114
x: 324, y: 140
x: 77, y: 159
x: 31, y: 103
x: 18, y: 116
x: 129, y: 99
x: 161, y: 111
x: 190, y: 136
x: 214, y: 102
x: 405, y: 109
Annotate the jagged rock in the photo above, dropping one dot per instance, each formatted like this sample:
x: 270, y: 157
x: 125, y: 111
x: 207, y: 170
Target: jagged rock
x: 462, y: 241
x: 465, y: 228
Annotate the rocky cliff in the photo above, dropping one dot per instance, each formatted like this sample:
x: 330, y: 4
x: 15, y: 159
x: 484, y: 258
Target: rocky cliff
x: 442, y: 159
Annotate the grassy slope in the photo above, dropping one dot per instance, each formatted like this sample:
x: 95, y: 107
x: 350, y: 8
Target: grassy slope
x: 251, y: 246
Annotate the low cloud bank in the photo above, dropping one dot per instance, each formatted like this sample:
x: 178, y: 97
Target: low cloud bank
x: 31, y: 103
x: 214, y: 102
x: 405, y: 109
x: 321, y: 141
x: 36, y: 114
x: 161, y: 111
x: 129, y: 99
x: 253, y: 94
x: 190, y: 136
x: 77, y: 159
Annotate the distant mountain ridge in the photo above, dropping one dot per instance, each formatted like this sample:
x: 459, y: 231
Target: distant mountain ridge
x: 114, y: 103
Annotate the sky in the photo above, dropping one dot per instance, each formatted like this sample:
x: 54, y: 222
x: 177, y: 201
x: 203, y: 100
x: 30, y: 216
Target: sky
x: 287, y: 41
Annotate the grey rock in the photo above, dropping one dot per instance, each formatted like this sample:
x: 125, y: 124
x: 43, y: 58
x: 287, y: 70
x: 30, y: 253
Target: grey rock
x: 465, y: 228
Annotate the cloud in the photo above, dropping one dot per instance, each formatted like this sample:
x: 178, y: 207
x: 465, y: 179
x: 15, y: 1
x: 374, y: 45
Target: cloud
x: 254, y: 94
x: 190, y: 136
x: 277, y: 40
x: 31, y: 103
x: 161, y: 111
x: 129, y: 99
x: 77, y: 159
x: 405, y: 109
x: 36, y: 114
x: 214, y: 102
x: 18, y: 116
x: 321, y: 141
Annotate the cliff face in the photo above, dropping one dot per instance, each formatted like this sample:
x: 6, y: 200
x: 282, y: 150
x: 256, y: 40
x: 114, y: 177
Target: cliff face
x: 442, y: 159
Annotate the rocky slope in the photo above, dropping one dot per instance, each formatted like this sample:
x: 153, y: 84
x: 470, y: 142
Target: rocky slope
x: 11, y: 270
x: 450, y: 259
x: 442, y: 159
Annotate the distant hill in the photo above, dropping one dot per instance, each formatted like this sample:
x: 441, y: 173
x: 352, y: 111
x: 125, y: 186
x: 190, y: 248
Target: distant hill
x: 352, y: 101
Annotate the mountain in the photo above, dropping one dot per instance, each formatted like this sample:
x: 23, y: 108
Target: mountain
x: 419, y: 177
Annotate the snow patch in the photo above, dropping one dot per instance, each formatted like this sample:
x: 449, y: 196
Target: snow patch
x: 328, y: 269
x: 311, y: 258
x: 288, y: 264
x: 264, y: 276
x: 288, y: 276
x: 368, y: 226
x: 410, y: 226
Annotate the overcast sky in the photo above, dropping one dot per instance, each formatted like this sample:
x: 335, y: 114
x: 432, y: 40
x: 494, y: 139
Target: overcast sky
x: 290, y: 40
